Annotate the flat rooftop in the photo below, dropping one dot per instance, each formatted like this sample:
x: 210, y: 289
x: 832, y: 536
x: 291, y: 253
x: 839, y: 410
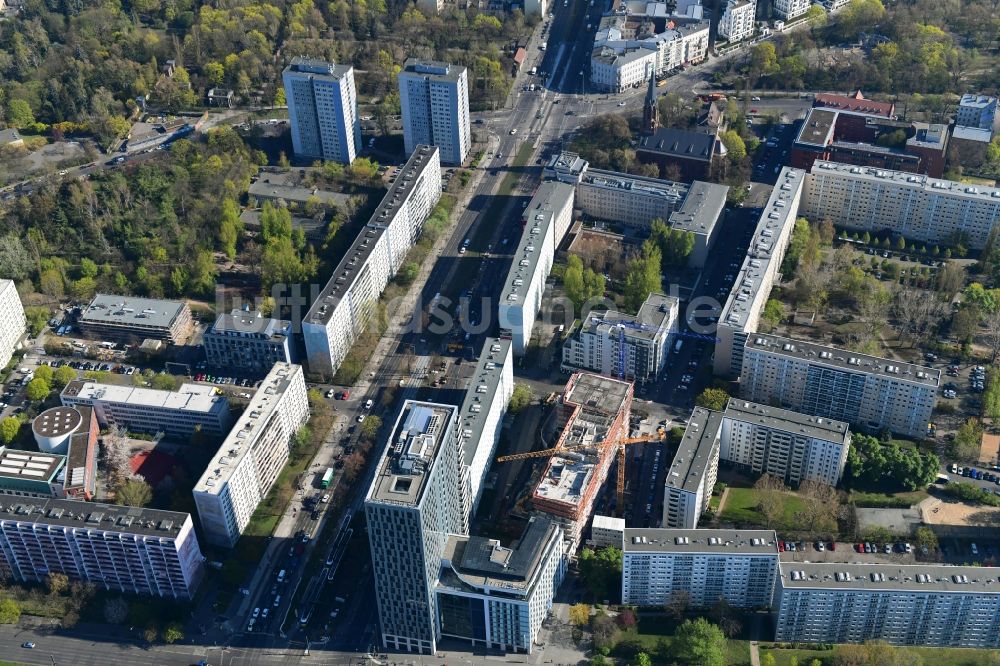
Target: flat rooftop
x: 843, y: 359
x: 247, y: 429
x: 928, y: 578
x: 930, y: 186
x: 817, y: 129
x: 653, y: 317
x: 188, y: 398
x: 432, y: 69
x: 411, y: 451
x: 694, y: 453
x: 701, y: 209
x: 56, y: 421
x: 483, y: 562
x: 29, y: 465
x: 566, y: 166
x: 549, y: 199
x: 972, y: 134
x: 482, y: 391
x: 271, y: 184
x: 778, y: 212
x: 252, y: 323
x: 91, y: 515
x: 113, y: 310
x: 777, y: 418
x: 319, y: 69
x: 354, y: 260
x: 639, y: 185
x: 729, y: 542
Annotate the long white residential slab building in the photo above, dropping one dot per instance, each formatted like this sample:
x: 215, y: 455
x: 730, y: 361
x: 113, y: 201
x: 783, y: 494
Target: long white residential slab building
x: 13, y: 324
x: 247, y: 464
x: 122, y: 548
x: 546, y: 219
x: 347, y: 302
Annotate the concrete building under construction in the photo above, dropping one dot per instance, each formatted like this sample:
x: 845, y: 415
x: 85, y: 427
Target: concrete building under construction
x: 594, y: 411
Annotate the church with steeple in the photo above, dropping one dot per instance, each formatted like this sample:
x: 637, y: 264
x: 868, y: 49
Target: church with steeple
x: 650, y: 112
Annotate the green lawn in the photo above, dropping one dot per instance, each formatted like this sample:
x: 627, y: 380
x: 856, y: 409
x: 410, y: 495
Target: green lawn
x: 886, y: 500
x: 741, y: 507
x: 950, y: 656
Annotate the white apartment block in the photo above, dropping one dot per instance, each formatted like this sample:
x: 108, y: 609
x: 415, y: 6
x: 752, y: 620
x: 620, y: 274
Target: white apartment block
x: 480, y: 419
x: 607, y: 531
x: 929, y: 210
x: 345, y: 305
x: 126, y: 549
x: 866, y: 391
x: 739, y: 566
x: 738, y: 20
x: 496, y: 596
x: 13, y: 324
x: 740, y: 315
x: 546, y: 219
x: 791, y: 446
x: 616, y: 69
x: 789, y: 9
x: 618, y: 62
x: 191, y: 408
x: 617, y: 344
x: 693, y: 472
x: 434, y: 97
x: 323, y: 110
x: 979, y: 111
x: 412, y: 507
x: 923, y: 604
x: 247, y: 464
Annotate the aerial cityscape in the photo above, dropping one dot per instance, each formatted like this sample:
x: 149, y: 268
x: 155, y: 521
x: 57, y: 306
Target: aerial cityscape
x: 580, y: 332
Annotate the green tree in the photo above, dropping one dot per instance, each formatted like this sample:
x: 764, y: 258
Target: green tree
x: 642, y: 276
x: 62, y: 376
x: 675, y: 245
x: 774, y: 312
x: 364, y: 169
x: 925, y: 538
x: 408, y: 272
x: 9, y: 427
x: 173, y: 633
x: 968, y: 440
x: 712, y: 398
x: 10, y: 611
x: 700, y: 642
x: 371, y: 426
x: 642, y: 659
x: 797, y: 245
x: 230, y: 227
x: 573, y: 281
x: 19, y: 114
x: 44, y: 372
x: 164, y: 382
x: 601, y: 571
x: 767, y: 659
x: 736, y: 148
x: 579, y: 614
x: 520, y: 398
x: 134, y: 492
x: 37, y: 390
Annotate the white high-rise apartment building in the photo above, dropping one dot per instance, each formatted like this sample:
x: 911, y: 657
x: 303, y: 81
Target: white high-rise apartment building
x: 740, y: 566
x: 12, y: 321
x: 123, y: 548
x: 791, y: 446
x: 345, y: 305
x: 412, y: 506
x: 693, y: 472
x: 738, y: 20
x: 247, y: 464
x: 434, y: 98
x: 922, y: 604
x: 789, y: 9
x: 481, y: 417
x: 546, y: 220
x: 929, y: 210
x: 323, y: 110
x: 868, y: 391
x: 617, y: 344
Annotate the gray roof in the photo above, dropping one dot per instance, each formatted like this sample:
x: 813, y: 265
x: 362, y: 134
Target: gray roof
x: 652, y: 316
x: 843, y: 359
x: 680, y: 143
x: 483, y: 386
x: 354, y: 260
x: 929, y: 135
x: 253, y: 324
x: 639, y: 185
x: 274, y: 183
x: 410, y: 453
x: 701, y: 209
x: 129, y: 310
x: 318, y: 69
x: 611, y: 56
x: 483, y: 561
x: 818, y: 427
x: 927, y: 578
x: 29, y: 465
x: 694, y: 453
x: 976, y: 101
x: 91, y: 515
x: 817, y: 129
x: 729, y: 542
x: 566, y: 166
x: 434, y: 70
x: 972, y: 134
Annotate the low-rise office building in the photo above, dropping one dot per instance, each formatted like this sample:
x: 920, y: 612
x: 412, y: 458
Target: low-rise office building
x: 133, y: 319
x: 922, y: 604
x: 126, y: 549
x: 978, y: 111
x: 693, y: 472
x: 247, y: 464
x: 496, y: 596
x: 700, y: 215
x: 615, y: 343
x: 741, y: 313
x: 191, y: 408
x: 546, y: 220
x: 738, y: 566
x: 607, y: 531
x: 871, y: 392
x: 348, y: 300
x: 928, y: 210
x: 247, y: 342
x: 13, y: 323
x: 791, y: 446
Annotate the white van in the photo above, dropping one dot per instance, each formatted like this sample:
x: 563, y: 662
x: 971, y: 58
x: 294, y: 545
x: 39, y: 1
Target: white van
x: 281, y: 576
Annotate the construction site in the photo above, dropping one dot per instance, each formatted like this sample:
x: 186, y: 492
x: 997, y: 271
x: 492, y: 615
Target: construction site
x: 593, y: 419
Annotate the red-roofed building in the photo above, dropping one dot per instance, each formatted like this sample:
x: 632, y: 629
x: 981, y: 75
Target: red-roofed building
x: 519, y: 57
x: 856, y: 103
